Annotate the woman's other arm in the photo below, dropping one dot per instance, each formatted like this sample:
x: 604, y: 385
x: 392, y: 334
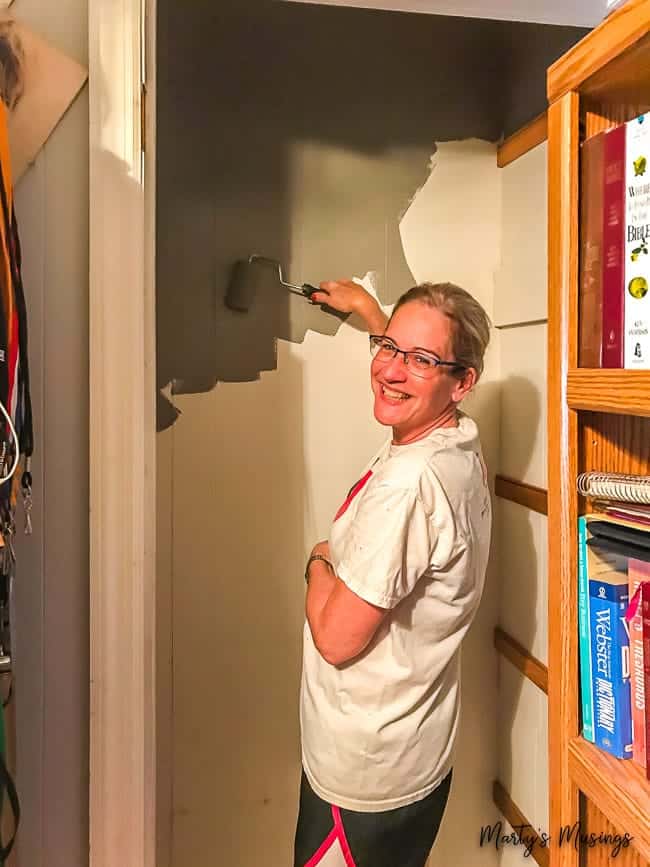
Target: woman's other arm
x: 341, y: 623
x: 349, y: 297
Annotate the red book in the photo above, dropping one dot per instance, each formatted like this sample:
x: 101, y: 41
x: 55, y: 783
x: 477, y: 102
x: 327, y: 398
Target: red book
x: 637, y: 571
x: 590, y: 327
x: 645, y: 612
x: 613, y: 252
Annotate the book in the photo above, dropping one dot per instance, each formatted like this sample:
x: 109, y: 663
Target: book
x: 608, y: 600
x: 626, y: 511
x: 636, y: 280
x: 621, y: 534
x: 621, y: 487
x: 644, y: 592
x: 637, y: 572
x: 590, y: 324
x: 584, y: 635
x: 613, y: 249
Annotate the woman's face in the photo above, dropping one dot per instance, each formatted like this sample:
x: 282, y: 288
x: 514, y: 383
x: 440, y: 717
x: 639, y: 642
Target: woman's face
x: 414, y: 405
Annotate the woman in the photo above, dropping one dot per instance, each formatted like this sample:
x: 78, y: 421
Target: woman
x: 393, y: 591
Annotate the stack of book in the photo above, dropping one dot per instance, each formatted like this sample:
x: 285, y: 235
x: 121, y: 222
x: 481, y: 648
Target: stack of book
x: 614, y: 615
x: 614, y: 327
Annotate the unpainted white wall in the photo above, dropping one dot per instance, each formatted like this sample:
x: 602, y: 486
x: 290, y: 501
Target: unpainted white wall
x: 521, y: 313
x: 51, y: 588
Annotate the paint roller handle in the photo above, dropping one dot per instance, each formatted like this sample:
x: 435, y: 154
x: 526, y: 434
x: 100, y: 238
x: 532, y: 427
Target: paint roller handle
x: 308, y: 290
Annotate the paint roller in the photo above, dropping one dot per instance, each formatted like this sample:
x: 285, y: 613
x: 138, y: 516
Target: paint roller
x: 249, y: 274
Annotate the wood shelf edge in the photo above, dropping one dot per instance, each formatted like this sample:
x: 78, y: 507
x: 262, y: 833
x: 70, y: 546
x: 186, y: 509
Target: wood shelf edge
x: 525, y: 662
x: 625, y: 392
x: 618, y: 788
x: 516, y: 818
x: 523, y: 140
x: 619, y: 32
x: 529, y: 496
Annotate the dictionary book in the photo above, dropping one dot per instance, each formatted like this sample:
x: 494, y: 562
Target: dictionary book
x: 610, y: 648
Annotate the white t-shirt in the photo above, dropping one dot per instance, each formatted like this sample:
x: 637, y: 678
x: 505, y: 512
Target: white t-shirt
x: 412, y: 536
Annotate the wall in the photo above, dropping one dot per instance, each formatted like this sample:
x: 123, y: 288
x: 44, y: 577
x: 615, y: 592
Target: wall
x: 528, y: 50
x: 520, y: 316
x: 51, y: 588
x: 306, y: 135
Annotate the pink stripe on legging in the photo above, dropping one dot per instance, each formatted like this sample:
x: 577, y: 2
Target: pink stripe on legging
x: 323, y: 849
x: 343, y: 840
x: 337, y: 833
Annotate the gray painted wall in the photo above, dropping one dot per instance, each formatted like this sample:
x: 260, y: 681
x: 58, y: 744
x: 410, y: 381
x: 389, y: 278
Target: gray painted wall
x: 51, y: 589
x: 529, y: 49
x: 241, y: 86
x: 241, y: 90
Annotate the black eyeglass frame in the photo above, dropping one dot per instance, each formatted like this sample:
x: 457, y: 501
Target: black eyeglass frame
x: 437, y: 362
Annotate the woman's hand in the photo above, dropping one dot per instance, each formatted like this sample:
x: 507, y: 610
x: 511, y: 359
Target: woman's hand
x: 349, y: 297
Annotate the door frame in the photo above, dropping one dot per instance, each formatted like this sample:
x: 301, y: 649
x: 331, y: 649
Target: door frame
x: 122, y: 792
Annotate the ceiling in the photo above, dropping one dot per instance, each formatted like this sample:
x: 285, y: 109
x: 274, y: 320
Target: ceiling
x: 579, y: 13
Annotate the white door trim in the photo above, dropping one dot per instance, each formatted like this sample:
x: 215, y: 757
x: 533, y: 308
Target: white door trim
x: 122, y: 445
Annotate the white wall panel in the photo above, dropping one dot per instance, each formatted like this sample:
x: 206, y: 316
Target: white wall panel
x: 521, y: 279
x: 521, y: 306
x: 523, y: 404
x: 523, y: 572
x: 523, y: 745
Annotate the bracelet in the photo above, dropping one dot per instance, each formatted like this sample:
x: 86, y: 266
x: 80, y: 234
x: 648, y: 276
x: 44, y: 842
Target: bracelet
x: 311, y: 560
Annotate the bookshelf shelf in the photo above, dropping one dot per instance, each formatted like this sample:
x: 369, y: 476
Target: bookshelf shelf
x: 626, y: 392
x: 619, y: 788
x: 597, y: 420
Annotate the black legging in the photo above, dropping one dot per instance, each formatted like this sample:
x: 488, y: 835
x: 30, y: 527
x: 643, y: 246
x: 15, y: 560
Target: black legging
x: 393, y: 838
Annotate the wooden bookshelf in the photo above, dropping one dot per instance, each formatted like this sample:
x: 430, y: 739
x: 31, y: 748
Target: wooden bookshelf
x: 626, y: 392
x: 618, y: 788
x: 597, y: 419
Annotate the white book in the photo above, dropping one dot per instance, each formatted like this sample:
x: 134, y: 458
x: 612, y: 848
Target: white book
x: 637, y: 244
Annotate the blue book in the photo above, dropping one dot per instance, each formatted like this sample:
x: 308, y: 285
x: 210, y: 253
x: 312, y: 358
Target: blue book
x: 610, y: 662
x: 584, y: 635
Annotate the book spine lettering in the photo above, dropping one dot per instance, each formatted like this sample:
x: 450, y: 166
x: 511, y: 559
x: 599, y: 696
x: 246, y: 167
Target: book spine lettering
x: 590, y: 326
x: 638, y: 571
x: 611, y: 677
x: 584, y: 631
x: 645, y: 613
x: 637, y: 237
x: 613, y: 246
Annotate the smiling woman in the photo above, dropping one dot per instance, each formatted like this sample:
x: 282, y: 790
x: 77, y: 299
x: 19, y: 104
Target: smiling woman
x: 392, y: 592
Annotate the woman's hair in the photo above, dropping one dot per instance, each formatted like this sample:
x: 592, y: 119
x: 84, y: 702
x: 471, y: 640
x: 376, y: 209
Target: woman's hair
x: 471, y: 331
x: 12, y: 65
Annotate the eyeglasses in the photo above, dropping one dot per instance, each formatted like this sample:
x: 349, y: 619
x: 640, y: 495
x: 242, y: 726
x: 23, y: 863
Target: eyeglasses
x: 420, y: 363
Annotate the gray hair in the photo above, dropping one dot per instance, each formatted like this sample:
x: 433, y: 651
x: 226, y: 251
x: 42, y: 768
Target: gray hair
x: 471, y: 331
x: 12, y: 65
